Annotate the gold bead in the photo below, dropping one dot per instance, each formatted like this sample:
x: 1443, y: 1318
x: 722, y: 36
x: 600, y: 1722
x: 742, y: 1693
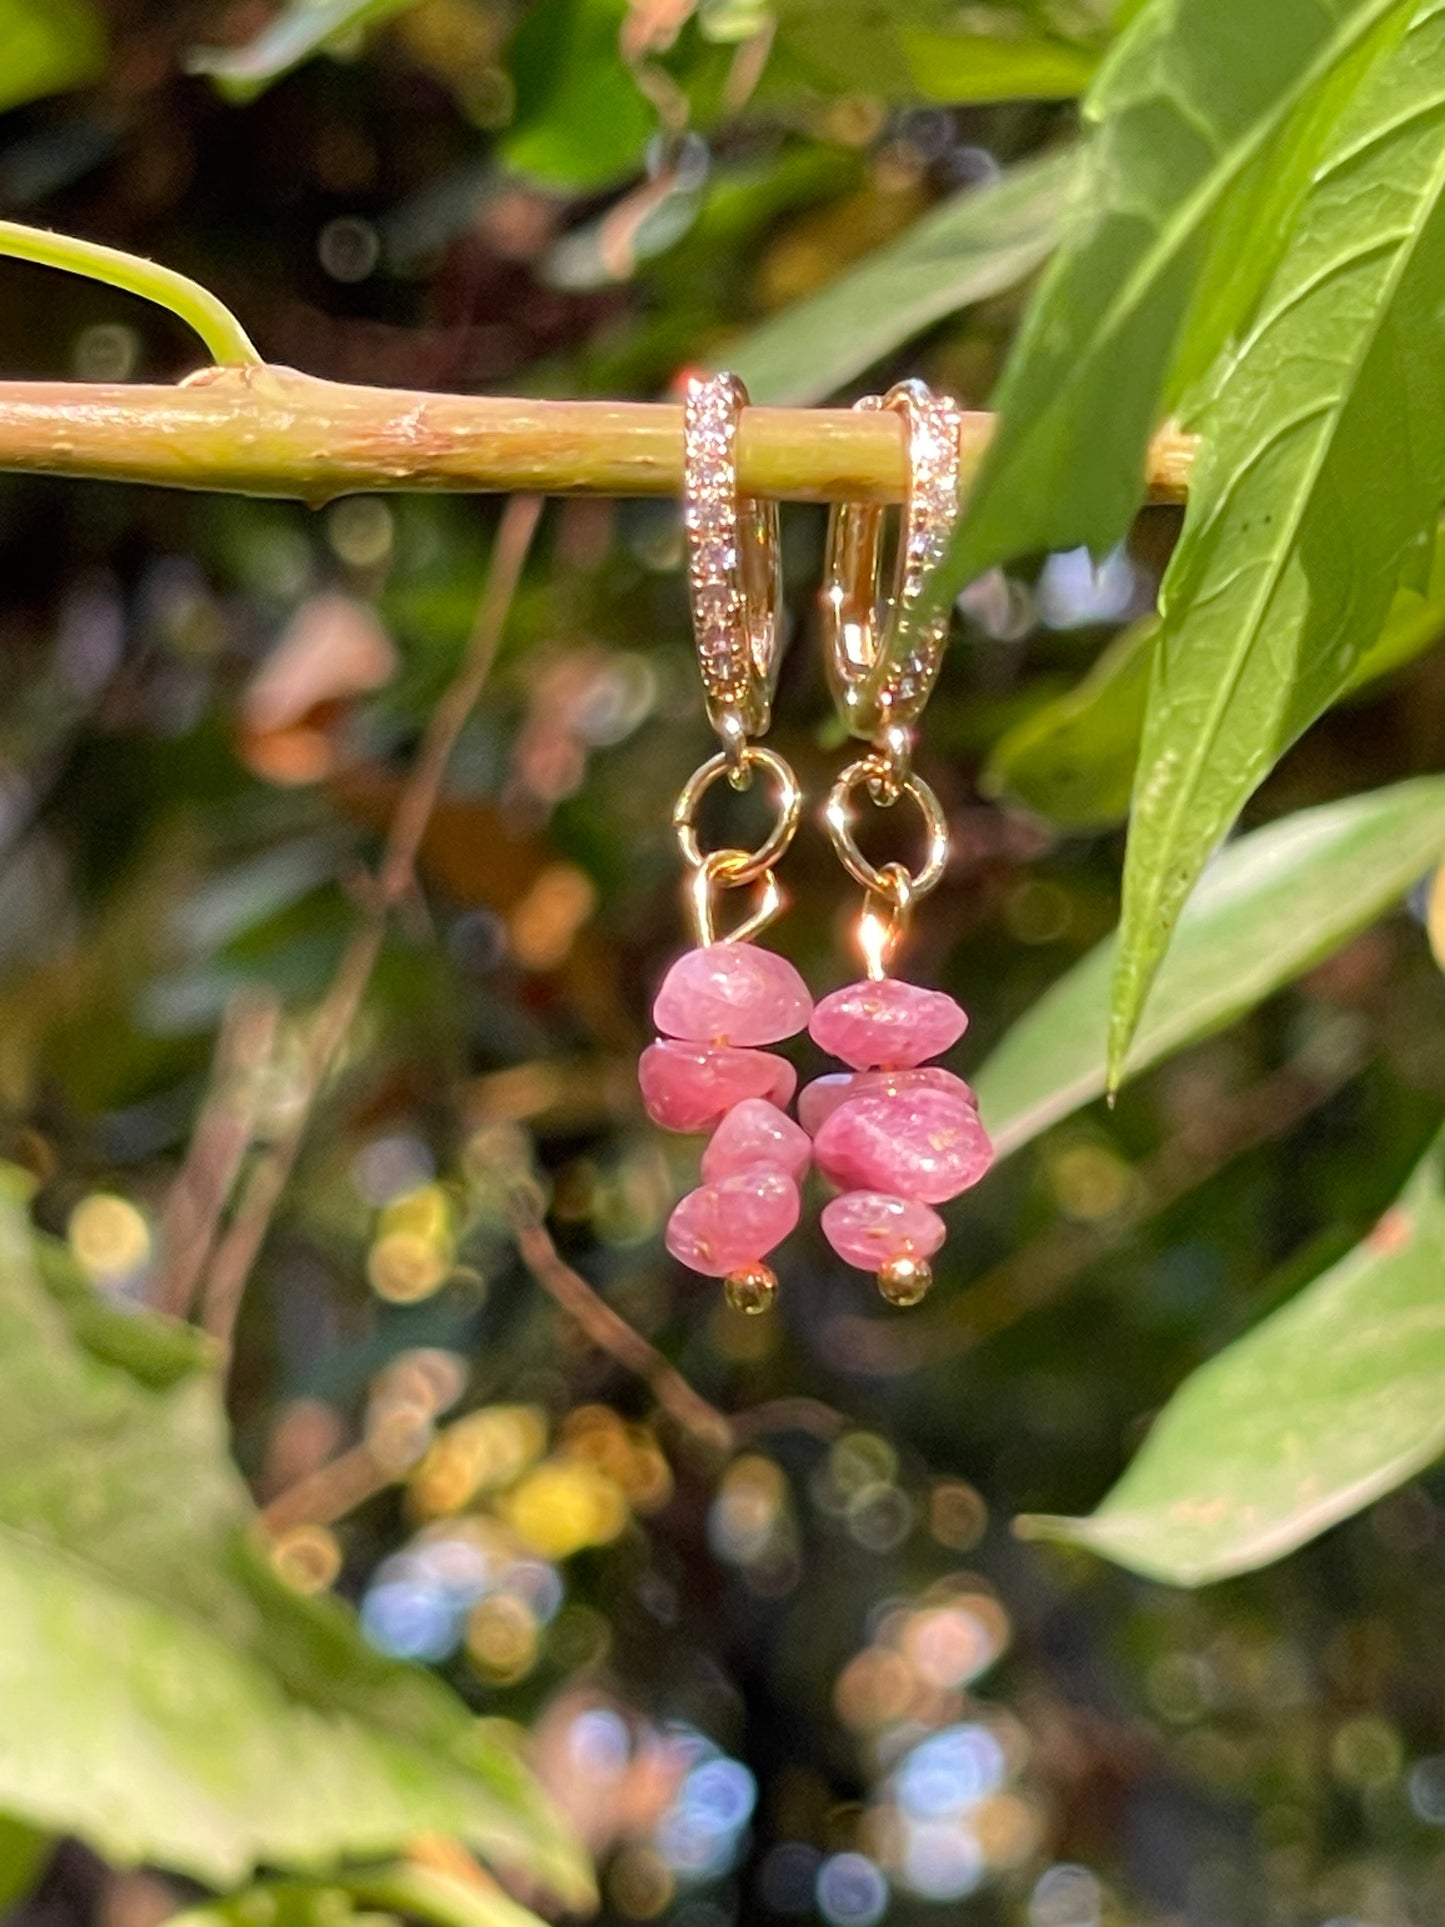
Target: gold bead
x: 906, y: 1281
x: 752, y: 1290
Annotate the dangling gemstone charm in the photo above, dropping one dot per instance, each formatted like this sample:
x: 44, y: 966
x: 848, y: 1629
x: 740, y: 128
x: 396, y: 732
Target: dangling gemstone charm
x: 723, y: 1002
x: 719, y: 1001
x: 897, y: 1135
x: 748, y: 1201
x: 896, y: 1141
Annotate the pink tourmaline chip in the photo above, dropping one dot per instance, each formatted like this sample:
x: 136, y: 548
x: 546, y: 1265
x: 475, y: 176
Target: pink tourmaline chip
x: 823, y: 1096
x: 756, y: 1132
x: 732, y: 993
x: 887, y: 1025
x: 689, y: 1087
x: 735, y: 1222
x: 870, y: 1229
x: 919, y: 1143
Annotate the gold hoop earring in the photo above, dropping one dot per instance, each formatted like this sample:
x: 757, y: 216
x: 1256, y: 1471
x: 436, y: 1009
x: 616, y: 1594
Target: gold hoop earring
x: 896, y: 1135
x: 881, y: 679
x: 724, y: 998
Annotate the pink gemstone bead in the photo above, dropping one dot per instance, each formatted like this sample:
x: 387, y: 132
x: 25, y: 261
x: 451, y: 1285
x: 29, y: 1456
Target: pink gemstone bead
x: 732, y: 993
x: 734, y: 1222
x: 756, y: 1132
x: 690, y: 1087
x: 823, y: 1096
x: 919, y: 1143
x: 870, y: 1229
x: 888, y: 1025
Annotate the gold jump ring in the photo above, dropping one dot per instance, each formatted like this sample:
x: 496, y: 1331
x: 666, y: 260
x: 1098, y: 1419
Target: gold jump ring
x: 742, y: 866
x: 885, y: 881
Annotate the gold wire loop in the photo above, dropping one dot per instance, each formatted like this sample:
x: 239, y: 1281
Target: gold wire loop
x: 886, y: 882
x: 882, y: 660
x: 883, y: 923
x: 734, y: 564
x: 742, y: 866
x: 898, y: 893
x: 719, y: 870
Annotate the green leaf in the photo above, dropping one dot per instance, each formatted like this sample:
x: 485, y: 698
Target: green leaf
x: 1272, y: 905
x: 1249, y: 231
x: 167, y: 1698
x: 47, y: 47
x: 300, y: 30
x: 24, y: 1851
x: 957, y: 67
x: 931, y: 50
x: 1321, y: 477
x: 424, y: 1893
x: 1185, y: 107
x: 1073, y: 759
x: 977, y: 244
x: 405, y: 1888
x: 581, y: 121
x: 1337, y: 1398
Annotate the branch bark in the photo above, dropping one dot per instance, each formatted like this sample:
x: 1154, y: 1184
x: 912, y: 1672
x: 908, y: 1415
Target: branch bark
x: 266, y: 430
x: 236, y: 1251
x: 613, y: 1335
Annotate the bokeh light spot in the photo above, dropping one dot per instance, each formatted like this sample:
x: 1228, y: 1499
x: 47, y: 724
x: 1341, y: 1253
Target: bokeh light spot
x: 789, y: 1878
x: 404, y: 1267
x: 110, y: 1237
x: 563, y: 1506
x: 950, y: 1772
x: 851, y: 1891
x: 1066, y: 1896
x: 1426, y: 1786
x: 308, y: 1558
x: 502, y: 1637
x: 408, y: 1619
x: 942, y: 1860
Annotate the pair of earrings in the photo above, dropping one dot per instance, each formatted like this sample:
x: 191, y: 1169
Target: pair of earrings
x: 895, y: 1134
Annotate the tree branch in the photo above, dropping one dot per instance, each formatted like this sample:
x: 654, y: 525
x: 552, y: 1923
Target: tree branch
x: 222, y: 1136
x: 266, y: 430
x: 612, y: 1334
x: 328, y: 1493
x: 236, y: 1251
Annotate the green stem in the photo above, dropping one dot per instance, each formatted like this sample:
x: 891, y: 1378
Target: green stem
x: 225, y: 338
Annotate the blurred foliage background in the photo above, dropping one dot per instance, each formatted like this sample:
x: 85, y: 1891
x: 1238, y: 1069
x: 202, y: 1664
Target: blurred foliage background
x: 812, y: 1676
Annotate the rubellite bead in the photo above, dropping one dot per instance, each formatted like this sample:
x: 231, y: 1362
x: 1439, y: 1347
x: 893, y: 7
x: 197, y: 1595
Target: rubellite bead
x: 870, y: 1229
x: 889, y: 1025
x: 729, y: 1225
x: 756, y: 1132
x: 919, y: 1143
x: 822, y: 1097
x: 690, y: 1087
x: 732, y: 993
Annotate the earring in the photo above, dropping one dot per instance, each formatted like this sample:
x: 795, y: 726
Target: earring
x: 896, y: 1134
x: 723, y: 999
